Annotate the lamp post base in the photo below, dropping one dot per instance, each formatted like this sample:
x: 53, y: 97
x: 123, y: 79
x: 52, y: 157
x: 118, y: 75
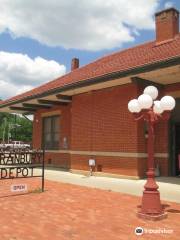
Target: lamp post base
x: 152, y: 217
x: 151, y: 208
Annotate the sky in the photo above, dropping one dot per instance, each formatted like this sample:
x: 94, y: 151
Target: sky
x: 38, y: 38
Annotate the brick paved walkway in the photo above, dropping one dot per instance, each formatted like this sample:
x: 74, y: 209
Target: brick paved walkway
x: 69, y: 212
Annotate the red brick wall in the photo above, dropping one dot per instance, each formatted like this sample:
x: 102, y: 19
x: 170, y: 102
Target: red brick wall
x: 161, y: 137
x: 162, y: 162
x: 172, y: 88
x: 163, y: 165
x: 114, y: 165
x: 81, y: 122
x: 58, y: 159
x: 101, y: 122
x: 37, y: 130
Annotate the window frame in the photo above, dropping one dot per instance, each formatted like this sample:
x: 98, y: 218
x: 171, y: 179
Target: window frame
x: 54, y: 145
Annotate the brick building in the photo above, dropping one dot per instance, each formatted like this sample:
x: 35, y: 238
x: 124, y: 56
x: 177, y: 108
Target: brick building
x: 84, y: 115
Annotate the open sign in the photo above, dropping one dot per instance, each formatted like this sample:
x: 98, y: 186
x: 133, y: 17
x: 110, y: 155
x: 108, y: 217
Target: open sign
x: 19, y: 188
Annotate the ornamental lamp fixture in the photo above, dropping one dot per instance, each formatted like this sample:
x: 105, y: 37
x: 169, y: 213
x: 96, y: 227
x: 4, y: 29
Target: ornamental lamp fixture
x: 147, y: 108
x: 145, y: 101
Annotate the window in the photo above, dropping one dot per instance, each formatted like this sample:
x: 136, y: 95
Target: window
x: 51, y: 132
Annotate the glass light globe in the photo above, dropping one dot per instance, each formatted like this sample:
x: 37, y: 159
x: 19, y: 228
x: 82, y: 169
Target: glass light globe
x: 151, y: 91
x: 133, y: 106
x: 145, y: 101
x: 157, y: 108
x: 168, y: 103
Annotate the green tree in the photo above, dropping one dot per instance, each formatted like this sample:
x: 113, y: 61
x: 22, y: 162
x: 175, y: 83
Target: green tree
x: 19, y: 128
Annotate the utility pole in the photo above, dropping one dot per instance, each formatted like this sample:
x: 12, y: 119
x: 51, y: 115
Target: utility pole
x: 15, y: 117
x: 4, y: 129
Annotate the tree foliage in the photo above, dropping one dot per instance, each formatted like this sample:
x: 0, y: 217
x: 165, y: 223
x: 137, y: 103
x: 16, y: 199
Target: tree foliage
x: 16, y: 127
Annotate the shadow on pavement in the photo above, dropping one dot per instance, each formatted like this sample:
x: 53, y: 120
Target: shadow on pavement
x: 173, y: 180
x: 173, y: 210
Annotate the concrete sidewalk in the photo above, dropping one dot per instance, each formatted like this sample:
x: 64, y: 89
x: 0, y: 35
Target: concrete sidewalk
x: 169, y: 187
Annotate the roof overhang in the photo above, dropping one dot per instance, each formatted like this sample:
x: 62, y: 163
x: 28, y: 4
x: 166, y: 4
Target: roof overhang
x: 162, y: 73
x: 28, y: 107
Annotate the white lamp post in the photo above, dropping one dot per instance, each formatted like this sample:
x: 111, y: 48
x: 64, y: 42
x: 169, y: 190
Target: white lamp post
x: 149, y: 109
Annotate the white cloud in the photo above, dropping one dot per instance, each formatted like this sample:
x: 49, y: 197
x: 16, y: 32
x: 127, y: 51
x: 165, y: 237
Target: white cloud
x: 79, y: 24
x: 168, y: 4
x: 20, y: 73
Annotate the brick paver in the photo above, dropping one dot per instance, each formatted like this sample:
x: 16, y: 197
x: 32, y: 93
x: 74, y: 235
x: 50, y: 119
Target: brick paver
x: 67, y: 211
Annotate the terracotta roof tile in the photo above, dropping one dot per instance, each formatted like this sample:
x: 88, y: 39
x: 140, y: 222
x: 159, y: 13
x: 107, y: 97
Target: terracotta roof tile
x: 120, y: 61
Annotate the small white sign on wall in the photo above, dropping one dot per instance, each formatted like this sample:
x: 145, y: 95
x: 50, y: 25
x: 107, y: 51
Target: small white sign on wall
x: 19, y: 188
x: 92, y: 162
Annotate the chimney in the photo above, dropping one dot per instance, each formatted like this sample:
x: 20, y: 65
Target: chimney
x: 167, y: 24
x: 74, y: 64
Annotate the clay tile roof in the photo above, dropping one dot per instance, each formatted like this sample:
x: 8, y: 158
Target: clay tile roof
x: 131, y: 58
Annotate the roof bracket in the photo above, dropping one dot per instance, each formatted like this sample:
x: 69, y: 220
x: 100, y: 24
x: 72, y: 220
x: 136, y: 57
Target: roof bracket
x: 24, y: 109
x: 144, y: 82
x: 36, y: 106
x: 64, y: 98
x: 51, y: 102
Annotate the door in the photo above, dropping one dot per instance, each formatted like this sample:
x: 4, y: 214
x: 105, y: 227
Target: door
x: 177, y: 149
